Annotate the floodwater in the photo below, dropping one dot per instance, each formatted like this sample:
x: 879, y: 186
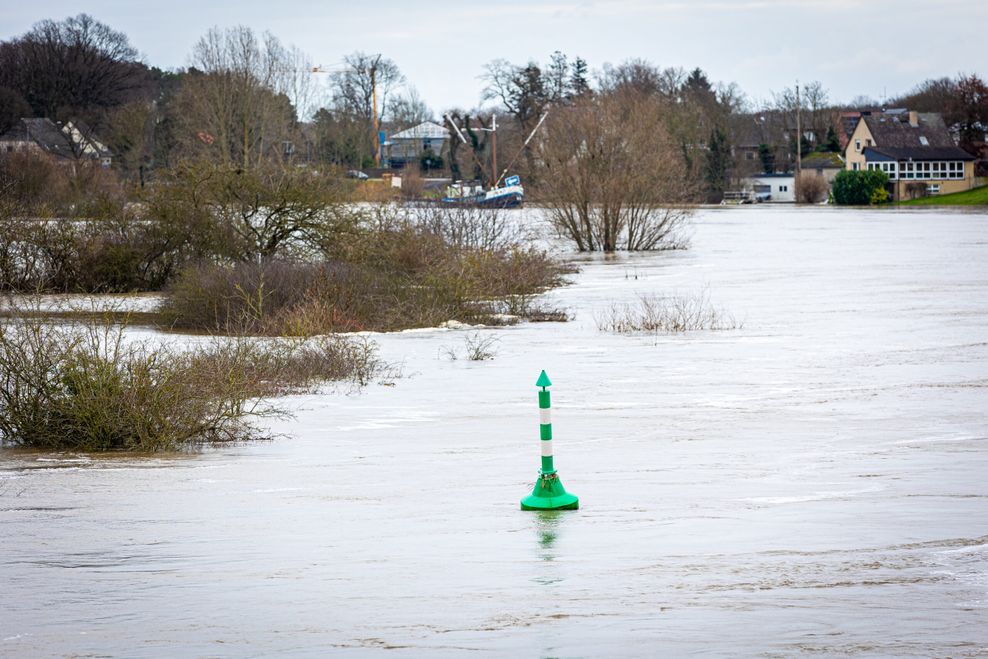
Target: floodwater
x: 813, y: 482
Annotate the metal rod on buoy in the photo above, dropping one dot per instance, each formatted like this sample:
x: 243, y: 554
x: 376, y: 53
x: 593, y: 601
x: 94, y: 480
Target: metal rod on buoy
x: 548, y: 493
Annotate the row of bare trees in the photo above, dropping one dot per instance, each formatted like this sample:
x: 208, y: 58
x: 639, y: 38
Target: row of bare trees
x: 245, y: 97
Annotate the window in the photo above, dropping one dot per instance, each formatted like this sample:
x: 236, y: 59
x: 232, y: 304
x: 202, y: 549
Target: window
x: 867, y: 142
x: 749, y: 155
x: 783, y: 188
x: 933, y: 188
x: 923, y: 140
x: 856, y: 166
x: 931, y: 170
x: 857, y: 145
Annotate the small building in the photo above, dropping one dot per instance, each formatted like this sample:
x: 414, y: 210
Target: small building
x: 412, y: 145
x: 914, y: 149
x: 68, y: 143
x: 823, y: 164
x: 772, y: 187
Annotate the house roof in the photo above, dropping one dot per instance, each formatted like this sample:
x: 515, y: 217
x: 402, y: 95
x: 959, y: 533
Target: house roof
x: 85, y: 139
x: 755, y: 177
x: 43, y: 132
x: 921, y: 153
x: 67, y: 142
x: 822, y: 161
x: 893, y: 130
x: 847, y: 122
x: 425, y: 130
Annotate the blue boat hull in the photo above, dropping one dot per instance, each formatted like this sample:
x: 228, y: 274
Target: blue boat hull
x: 482, y: 201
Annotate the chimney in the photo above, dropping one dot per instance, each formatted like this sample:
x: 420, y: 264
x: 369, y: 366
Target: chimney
x: 914, y: 119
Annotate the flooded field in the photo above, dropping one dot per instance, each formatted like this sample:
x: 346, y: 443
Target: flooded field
x: 814, y: 482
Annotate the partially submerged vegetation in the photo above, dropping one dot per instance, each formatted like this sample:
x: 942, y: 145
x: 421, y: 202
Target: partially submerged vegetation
x: 396, y: 271
x: 266, y: 252
x: 668, y: 314
x: 87, y: 387
x: 281, y: 252
x: 614, y: 177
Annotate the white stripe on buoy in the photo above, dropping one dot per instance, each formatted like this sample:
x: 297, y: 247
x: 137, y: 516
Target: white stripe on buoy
x: 545, y: 416
x: 546, y: 447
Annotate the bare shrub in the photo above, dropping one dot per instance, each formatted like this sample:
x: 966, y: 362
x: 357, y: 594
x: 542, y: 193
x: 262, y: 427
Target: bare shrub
x: 680, y: 313
x: 36, y: 185
x: 245, y: 295
x: 480, y: 347
x: 813, y: 188
x: 477, y: 347
x: 614, y: 178
x: 464, y: 227
x: 394, y: 273
x: 412, y: 183
x: 84, y: 387
x: 30, y: 184
x: 115, y: 254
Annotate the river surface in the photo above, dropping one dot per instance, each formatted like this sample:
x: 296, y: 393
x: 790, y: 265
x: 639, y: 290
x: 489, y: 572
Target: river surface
x: 813, y: 482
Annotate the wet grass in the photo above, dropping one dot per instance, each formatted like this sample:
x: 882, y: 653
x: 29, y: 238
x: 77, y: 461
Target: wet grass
x: 975, y: 197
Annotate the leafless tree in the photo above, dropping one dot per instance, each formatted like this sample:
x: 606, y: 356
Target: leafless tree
x: 408, y: 109
x: 812, y: 188
x: 77, y: 66
x: 233, y: 106
x: 614, y: 178
x: 353, y: 87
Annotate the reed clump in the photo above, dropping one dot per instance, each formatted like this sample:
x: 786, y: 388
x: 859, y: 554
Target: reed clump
x: 666, y: 314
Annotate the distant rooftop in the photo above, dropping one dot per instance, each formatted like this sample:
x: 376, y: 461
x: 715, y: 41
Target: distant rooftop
x: 919, y: 153
x: 893, y: 130
x: 425, y: 130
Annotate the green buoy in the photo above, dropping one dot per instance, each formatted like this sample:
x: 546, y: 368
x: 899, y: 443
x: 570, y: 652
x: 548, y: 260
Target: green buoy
x: 549, y: 493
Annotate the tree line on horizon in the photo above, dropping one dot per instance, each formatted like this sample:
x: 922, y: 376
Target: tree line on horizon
x: 248, y: 100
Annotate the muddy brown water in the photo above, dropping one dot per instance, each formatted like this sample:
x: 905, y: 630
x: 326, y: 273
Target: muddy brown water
x: 813, y: 482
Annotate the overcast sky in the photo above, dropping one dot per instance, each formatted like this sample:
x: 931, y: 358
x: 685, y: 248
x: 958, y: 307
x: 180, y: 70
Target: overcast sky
x: 868, y: 47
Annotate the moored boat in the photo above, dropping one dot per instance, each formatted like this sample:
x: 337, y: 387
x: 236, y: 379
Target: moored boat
x: 509, y: 195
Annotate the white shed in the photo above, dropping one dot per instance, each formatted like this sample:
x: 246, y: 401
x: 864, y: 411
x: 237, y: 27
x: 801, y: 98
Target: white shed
x: 772, y: 187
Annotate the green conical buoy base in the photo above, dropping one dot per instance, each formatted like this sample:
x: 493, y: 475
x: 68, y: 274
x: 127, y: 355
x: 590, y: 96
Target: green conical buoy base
x: 549, y: 494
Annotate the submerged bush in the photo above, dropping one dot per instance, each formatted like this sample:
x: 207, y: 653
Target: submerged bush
x: 119, y: 254
x: 680, y: 313
x: 86, y: 388
x: 395, y: 273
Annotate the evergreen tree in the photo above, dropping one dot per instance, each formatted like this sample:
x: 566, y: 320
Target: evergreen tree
x: 578, y: 81
x: 767, y: 156
x: 717, y: 165
x: 831, y: 144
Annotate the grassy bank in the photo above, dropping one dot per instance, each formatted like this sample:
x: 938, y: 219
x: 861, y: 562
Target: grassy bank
x: 975, y: 197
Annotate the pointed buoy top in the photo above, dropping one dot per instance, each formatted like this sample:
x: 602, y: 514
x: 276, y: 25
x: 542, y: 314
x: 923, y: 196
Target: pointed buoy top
x: 543, y: 381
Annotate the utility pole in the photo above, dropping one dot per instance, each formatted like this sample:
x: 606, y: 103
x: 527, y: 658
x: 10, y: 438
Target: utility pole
x: 799, y: 147
x: 493, y: 151
x: 377, y: 136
